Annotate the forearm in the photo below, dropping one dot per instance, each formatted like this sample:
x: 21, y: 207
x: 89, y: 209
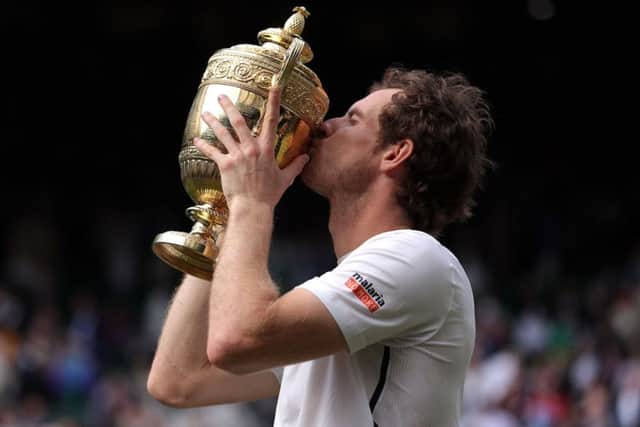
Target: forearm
x: 181, y: 375
x: 252, y: 328
x: 181, y: 350
x: 242, y: 294
x: 242, y: 289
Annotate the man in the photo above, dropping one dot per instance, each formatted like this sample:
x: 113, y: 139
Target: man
x: 386, y: 337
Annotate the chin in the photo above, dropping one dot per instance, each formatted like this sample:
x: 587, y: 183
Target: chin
x: 307, y: 177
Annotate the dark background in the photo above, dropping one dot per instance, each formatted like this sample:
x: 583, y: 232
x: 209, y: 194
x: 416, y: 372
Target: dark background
x: 96, y: 96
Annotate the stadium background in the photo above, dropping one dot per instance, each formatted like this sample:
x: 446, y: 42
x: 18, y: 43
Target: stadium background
x: 95, y: 99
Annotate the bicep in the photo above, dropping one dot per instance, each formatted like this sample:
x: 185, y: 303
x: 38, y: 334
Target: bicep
x: 297, y: 327
x: 304, y: 324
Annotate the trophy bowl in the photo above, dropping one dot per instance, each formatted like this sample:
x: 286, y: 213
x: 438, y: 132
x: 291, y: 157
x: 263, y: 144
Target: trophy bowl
x: 244, y: 73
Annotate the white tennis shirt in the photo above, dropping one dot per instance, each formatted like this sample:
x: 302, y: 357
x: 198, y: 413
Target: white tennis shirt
x: 405, y: 307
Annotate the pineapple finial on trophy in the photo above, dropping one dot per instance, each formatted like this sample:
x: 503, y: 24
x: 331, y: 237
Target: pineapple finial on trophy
x: 281, y: 38
x: 295, y: 23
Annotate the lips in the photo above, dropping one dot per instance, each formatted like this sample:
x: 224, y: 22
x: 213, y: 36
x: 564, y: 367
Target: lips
x: 319, y: 132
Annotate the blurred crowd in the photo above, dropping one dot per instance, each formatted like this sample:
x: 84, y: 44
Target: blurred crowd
x: 80, y: 315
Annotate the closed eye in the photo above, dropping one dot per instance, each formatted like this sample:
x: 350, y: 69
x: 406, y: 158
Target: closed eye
x: 353, y: 116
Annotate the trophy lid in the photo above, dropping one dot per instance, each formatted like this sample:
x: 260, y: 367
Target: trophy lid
x: 253, y: 68
x: 283, y: 36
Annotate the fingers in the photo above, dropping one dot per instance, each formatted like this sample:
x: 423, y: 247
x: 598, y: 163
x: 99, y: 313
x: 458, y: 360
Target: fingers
x: 208, y: 150
x: 295, y: 167
x: 271, y: 115
x: 221, y: 132
x: 245, y: 143
x: 236, y: 119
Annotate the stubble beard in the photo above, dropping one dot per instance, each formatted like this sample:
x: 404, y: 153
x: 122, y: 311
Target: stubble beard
x: 337, y: 183
x: 312, y: 179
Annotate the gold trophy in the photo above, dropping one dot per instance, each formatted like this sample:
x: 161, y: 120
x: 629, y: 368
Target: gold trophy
x: 244, y: 73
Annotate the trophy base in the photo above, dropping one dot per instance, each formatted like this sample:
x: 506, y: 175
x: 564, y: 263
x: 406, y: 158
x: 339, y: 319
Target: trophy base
x: 190, y: 253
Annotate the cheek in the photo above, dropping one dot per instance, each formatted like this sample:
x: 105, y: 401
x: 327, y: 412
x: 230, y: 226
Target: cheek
x: 327, y: 150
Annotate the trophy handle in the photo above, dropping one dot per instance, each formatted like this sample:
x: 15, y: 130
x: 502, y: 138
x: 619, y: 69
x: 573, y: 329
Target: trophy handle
x: 288, y: 64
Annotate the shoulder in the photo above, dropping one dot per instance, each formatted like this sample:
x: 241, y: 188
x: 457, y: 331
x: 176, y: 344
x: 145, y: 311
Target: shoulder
x: 404, y: 248
x: 410, y: 260
x: 404, y: 239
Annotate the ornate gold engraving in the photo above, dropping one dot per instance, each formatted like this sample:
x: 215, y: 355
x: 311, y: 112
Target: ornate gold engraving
x: 251, y: 72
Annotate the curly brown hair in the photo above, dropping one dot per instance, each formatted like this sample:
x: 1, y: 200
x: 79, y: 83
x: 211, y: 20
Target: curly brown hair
x: 448, y: 120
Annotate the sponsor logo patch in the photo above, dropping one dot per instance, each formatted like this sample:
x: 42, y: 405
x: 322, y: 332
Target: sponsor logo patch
x: 365, y: 291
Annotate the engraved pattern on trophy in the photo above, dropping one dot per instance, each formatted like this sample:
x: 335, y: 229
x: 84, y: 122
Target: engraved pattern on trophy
x: 250, y: 73
x: 244, y: 73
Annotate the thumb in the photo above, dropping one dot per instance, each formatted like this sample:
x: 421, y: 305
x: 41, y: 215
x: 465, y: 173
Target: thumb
x: 295, y: 167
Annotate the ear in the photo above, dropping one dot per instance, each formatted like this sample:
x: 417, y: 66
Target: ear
x: 395, y: 155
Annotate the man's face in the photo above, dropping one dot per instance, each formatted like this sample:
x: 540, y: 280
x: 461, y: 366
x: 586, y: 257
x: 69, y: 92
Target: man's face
x: 344, y: 156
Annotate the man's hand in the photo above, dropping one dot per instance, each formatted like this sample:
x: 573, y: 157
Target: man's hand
x: 250, y: 327
x: 249, y: 171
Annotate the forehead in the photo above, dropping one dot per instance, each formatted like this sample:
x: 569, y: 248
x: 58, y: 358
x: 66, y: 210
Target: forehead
x: 371, y: 105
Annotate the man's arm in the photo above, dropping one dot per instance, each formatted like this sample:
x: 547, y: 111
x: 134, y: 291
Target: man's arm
x: 181, y: 374
x: 250, y: 327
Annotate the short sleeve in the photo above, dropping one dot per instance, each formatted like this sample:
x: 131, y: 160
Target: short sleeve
x: 278, y: 371
x: 395, y: 282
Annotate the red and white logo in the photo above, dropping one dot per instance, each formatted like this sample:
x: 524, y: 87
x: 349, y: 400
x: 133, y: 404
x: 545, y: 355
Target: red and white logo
x: 366, y: 293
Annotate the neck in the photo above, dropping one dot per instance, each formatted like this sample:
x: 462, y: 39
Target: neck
x: 355, y: 218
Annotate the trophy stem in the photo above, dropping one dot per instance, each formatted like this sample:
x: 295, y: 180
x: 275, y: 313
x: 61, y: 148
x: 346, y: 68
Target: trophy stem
x: 206, y: 215
x: 194, y: 252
